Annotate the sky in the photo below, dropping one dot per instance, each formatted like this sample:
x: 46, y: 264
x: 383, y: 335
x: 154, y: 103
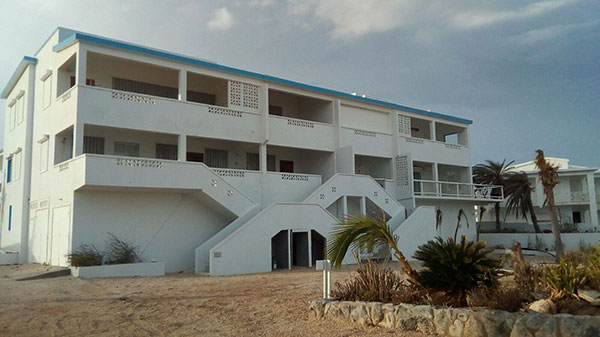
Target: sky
x: 526, y: 72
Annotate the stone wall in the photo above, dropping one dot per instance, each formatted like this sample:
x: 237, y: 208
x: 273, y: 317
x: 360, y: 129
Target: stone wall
x: 457, y: 322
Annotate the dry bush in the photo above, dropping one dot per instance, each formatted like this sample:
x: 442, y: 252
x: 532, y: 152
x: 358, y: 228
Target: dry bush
x: 373, y: 284
x: 86, y: 255
x: 592, y: 263
x: 501, y: 297
x: 121, y: 251
x: 527, y: 277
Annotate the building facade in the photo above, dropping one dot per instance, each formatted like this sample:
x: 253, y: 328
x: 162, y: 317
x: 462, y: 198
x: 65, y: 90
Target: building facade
x: 211, y: 168
x: 577, y: 197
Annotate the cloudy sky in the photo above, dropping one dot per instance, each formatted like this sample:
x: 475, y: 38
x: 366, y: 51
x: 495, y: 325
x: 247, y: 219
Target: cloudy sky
x: 526, y: 72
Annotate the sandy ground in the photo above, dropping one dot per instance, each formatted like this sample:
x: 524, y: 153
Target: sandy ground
x: 270, y: 304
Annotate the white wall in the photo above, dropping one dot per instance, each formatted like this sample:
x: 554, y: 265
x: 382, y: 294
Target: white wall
x: 570, y: 241
x: 365, y: 119
x: 167, y: 226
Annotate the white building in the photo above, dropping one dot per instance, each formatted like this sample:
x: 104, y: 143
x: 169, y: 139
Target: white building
x: 577, y: 197
x: 209, y: 167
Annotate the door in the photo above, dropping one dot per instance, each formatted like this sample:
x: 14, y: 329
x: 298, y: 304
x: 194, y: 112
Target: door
x: 61, y: 232
x: 417, y: 176
x: 286, y: 166
x: 39, y: 227
x: 300, y: 249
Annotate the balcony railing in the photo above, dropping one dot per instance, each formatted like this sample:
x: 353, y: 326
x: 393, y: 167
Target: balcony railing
x: 579, y: 197
x: 458, y: 190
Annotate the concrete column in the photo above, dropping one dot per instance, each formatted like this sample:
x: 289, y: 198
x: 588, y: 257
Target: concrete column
x: 81, y: 66
x: 432, y: 130
x: 289, y: 249
x: 77, y: 140
x: 182, y: 148
x: 264, y: 109
x: 592, y: 199
x: 309, y: 249
x: 182, y: 85
x: 344, y: 206
x: 363, y: 205
x: 436, y: 178
x: 262, y: 157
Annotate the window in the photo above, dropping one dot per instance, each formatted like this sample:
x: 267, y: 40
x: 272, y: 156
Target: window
x: 127, y: 149
x: 166, y: 151
x: 93, y: 145
x: 9, y: 170
x: 9, y: 217
x: 195, y: 157
x: 200, y: 97
x: 576, y: 217
x: 216, y: 158
x: 20, y: 109
x: 144, y: 88
x: 44, y: 156
x: 275, y: 110
x: 17, y: 163
x: 252, y: 161
x: 47, y: 99
x: 417, y: 184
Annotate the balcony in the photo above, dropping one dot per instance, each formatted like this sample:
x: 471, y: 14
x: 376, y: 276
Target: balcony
x: 434, y: 151
x: 367, y: 142
x: 579, y: 197
x: 429, y: 189
x: 116, y: 108
x: 300, y: 133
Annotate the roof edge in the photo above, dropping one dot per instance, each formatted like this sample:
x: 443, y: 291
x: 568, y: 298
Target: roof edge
x: 27, y: 60
x: 78, y: 36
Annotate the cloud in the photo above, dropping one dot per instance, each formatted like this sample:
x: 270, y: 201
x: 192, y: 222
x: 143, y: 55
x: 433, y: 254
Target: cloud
x: 480, y: 18
x: 222, y: 20
x: 550, y: 32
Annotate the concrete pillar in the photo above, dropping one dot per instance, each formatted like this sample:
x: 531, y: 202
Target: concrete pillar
x: 436, y: 178
x: 77, y: 140
x: 182, y: 148
x: 262, y: 157
x: 182, y: 85
x: 592, y: 199
x: 290, y: 249
x: 81, y: 66
x: 309, y: 249
x: 363, y: 205
x: 344, y: 206
x: 263, y: 104
x: 432, y: 130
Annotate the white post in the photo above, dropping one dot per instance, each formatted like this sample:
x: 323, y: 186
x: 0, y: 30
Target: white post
x: 182, y: 148
x: 262, y: 157
x: 592, y: 199
x: 309, y: 249
x: 436, y: 189
x: 289, y: 249
x: 344, y: 206
x: 81, y: 66
x: 182, y: 85
x: 363, y: 205
x: 432, y: 130
x: 325, y: 265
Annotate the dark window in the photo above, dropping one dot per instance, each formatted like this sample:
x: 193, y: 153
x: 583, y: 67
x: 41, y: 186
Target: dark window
x: 145, y: 88
x: 286, y: 166
x: 9, y: 217
x: 93, y: 145
x: 195, y: 156
x: 200, y: 97
x: 252, y: 161
x: 216, y: 158
x: 275, y: 110
x: 9, y: 171
x: 271, y: 163
x: 577, y: 217
x: 166, y: 151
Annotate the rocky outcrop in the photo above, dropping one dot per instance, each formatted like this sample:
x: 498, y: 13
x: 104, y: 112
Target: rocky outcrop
x: 457, y: 322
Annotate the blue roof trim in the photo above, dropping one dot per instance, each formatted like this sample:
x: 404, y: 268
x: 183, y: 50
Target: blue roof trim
x: 27, y: 60
x: 184, y: 59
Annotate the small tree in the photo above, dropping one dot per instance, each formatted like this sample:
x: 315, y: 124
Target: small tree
x: 363, y: 233
x: 518, y: 191
x: 549, y: 178
x: 492, y: 173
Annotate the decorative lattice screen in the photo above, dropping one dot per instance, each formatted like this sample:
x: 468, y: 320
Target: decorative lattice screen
x: 404, y: 125
x: 243, y: 95
x: 402, y: 171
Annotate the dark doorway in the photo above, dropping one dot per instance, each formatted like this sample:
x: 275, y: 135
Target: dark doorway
x: 286, y: 166
x: 279, y: 251
x: 318, y: 246
x: 195, y: 156
x: 300, y: 249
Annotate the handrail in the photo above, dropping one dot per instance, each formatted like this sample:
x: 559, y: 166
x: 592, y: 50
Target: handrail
x: 302, y: 120
x: 433, y: 141
x: 475, y: 191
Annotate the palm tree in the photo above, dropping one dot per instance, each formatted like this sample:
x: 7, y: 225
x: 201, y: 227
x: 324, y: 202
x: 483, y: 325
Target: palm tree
x: 492, y: 173
x: 549, y: 178
x: 363, y: 233
x: 518, y: 191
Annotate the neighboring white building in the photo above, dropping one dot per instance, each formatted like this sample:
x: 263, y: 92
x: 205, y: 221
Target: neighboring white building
x: 209, y: 167
x: 577, y: 197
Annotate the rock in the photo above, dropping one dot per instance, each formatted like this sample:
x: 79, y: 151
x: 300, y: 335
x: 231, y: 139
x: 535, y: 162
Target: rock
x: 549, y: 329
x: 545, y: 306
x: 474, y: 328
x: 456, y: 329
x: 589, y: 295
x: 520, y: 329
x: 360, y: 315
x: 441, y: 321
x: 318, y: 308
x: 375, y: 312
x: 497, y: 323
x: 535, y: 321
x: 389, y: 316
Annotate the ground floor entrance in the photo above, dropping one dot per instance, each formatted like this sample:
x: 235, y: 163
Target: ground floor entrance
x: 296, y: 248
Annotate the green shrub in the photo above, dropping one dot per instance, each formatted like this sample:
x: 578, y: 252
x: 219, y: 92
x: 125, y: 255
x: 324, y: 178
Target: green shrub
x: 120, y: 251
x: 565, y: 278
x: 456, y: 267
x: 592, y: 264
x: 86, y: 255
x: 372, y: 283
